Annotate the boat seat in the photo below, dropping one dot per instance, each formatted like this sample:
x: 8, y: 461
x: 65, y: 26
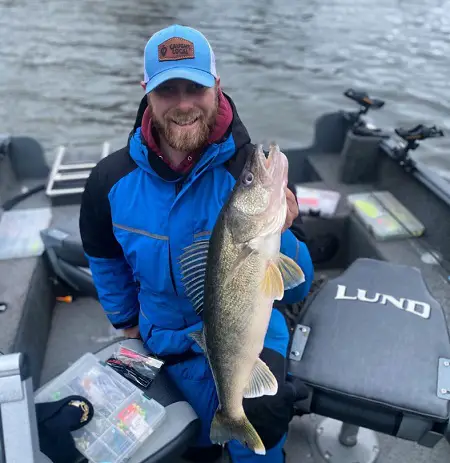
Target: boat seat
x: 180, y: 425
x: 63, y: 236
x: 69, y: 247
x: 65, y: 252
x: 373, y: 345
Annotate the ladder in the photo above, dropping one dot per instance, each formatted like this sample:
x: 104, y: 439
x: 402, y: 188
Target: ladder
x: 69, y: 179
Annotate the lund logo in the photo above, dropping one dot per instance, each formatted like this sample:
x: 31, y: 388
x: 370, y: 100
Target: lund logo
x: 422, y: 309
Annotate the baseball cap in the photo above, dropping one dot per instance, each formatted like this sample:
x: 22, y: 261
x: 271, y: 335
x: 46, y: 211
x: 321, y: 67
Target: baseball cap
x: 178, y: 52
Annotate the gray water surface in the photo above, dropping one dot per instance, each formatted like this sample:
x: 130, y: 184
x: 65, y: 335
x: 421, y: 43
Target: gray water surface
x: 70, y: 70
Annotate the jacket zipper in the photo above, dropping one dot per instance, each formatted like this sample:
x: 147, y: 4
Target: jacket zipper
x: 178, y: 187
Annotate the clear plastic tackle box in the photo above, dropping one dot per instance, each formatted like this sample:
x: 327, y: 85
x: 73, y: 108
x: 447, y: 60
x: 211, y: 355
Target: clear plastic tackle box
x: 123, y: 416
x: 384, y: 216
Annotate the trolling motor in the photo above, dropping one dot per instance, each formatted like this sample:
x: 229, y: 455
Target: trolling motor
x: 399, y: 149
x: 359, y: 126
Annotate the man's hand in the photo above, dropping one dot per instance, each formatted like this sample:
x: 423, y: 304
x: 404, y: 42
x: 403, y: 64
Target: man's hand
x: 132, y: 332
x: 292, y: 209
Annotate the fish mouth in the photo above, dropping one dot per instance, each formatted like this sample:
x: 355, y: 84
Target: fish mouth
x: 274, y: 150
x: 269, y: 160
x: 275, y: 164
x: 266, y: 161
x: 272, y: 175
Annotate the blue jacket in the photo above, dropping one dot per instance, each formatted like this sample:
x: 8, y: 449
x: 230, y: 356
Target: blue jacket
x: 136, y: 217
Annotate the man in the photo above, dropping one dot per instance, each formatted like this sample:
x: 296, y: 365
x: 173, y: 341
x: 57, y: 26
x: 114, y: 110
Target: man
x: 145, y: 203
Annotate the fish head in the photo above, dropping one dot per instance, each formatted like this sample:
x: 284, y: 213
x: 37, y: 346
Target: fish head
x: 258, y: 202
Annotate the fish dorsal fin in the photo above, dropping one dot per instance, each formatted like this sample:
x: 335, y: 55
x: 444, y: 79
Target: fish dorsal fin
x: 272, y: 284
x: 290, y: 271
x: 262, y: 381
x: 193, y: 269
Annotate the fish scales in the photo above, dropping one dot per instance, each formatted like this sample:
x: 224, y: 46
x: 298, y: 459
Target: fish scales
x: 231, y: 317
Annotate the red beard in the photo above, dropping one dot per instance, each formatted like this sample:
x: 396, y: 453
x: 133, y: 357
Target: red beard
x: 186, y: 131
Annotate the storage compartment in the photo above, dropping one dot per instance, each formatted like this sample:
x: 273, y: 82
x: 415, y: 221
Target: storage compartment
x: 353, y: 241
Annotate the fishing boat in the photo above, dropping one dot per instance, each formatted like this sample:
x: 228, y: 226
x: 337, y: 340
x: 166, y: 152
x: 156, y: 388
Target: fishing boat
x: 371, y: 340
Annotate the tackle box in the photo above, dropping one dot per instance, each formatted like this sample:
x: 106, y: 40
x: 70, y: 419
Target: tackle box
x: 123, y: 416
x: 384, y: 216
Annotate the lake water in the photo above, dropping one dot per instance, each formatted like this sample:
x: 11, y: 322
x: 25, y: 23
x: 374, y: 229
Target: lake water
x: 70, y: 70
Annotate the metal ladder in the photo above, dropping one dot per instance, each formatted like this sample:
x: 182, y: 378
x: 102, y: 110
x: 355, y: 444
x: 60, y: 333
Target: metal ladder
x: 69, y: 179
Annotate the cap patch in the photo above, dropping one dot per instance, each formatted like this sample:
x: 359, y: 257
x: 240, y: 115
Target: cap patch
x: 175, y: 48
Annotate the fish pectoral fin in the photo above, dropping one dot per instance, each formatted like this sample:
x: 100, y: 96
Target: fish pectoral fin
x: 224, y: 429
x: 193, y: 263
x: 199, y: 338
x: 290, y: 271
x: 262, y: 381
x: 272, y: 285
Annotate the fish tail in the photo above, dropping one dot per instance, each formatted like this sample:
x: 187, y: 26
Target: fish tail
x: 224, y: 429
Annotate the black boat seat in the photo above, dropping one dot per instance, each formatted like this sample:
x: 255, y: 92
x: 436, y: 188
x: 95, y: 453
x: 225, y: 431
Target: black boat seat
x: 180, y: 425
x: 67, y: 246
x: 374, y: 347
x: 67, y: 259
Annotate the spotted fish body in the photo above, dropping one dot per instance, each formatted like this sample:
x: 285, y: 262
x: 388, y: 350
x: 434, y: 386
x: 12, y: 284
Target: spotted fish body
x: 233, y: 281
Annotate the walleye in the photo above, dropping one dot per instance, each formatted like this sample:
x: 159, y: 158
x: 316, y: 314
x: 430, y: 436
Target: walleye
x: 232, y: 280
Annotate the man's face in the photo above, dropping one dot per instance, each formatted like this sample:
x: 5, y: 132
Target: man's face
x: 184, y: 113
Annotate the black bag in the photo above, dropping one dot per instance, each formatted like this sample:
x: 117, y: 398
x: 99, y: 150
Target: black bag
x: 56, y: 421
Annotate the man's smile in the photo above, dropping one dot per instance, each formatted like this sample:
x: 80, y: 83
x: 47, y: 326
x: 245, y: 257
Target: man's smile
x: 185, y: 123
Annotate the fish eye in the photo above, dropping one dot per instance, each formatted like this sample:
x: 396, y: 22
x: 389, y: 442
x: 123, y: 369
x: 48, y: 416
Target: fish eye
x: 248, y: 178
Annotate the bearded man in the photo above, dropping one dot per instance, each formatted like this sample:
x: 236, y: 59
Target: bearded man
x: 145, y: 203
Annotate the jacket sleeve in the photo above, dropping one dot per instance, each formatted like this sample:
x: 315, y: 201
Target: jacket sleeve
x: 293, y: 245
x: 112, y: 275
x: 298, y: 251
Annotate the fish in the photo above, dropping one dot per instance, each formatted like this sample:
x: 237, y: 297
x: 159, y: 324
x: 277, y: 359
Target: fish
x: 232, y: 280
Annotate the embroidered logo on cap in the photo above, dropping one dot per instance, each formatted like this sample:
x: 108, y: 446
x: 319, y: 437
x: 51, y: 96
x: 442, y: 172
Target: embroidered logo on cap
x: 175, y: 48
